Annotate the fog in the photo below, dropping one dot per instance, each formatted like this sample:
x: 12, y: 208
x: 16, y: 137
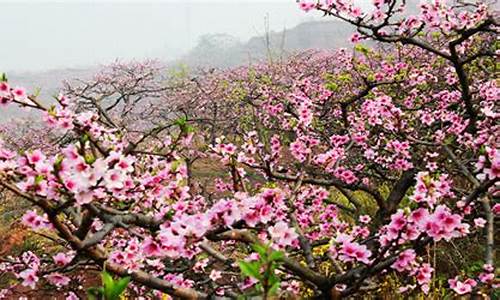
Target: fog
x: 37, y: 35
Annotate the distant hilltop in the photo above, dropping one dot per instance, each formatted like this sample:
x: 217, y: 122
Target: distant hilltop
x: 223, y: 50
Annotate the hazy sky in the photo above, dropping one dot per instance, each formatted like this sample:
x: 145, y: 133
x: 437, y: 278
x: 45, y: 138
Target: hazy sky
x: 39, y: 35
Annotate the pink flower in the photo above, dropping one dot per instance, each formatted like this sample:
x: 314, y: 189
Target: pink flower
x: 417, y: 216
x: 424, y: 274
x: 496, y: 209
x: 378, y: 3
x: 398, y: 220
x: 283, y: 235
x: 299, y: 150
x: 247, y: 283
x: 5, y: 97
x: 215, y: 275
x: 84, y: 197
x: 488, y: 268
x: 62, y: 259
x: 72, y: 296
x: 356, y: 37
x: 36, y: 157
x: 63, y: 100
x: 345, y: 175
x: 306, y: 5
x: 4, y: 101
x: 114, y: 179
x: 405, y: 260
x: 4, y: 89
x: 29, y: 278
x: 451, y: 222
x: 125, y: 164
x: 486, y: 277
x: 462, y: 288
x: 200, y: 265
x: 57, y: 279
x: 151, y: 248
x: 354, y: 251
x: 356, y: 12
x: 479, y: 222
x: 19, y: 93
x: 32, y: 219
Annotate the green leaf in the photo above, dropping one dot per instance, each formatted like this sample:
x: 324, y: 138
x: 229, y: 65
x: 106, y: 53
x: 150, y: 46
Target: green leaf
x: 108, y: 284
x: 119, y: 287
x: 181, y: 122
x: 361, y: 48
x: 259, y: 287
x: 3, y: 77
x: 37, y: 92
x: 274, y: 287
x: 93, y: 293
x: 250, y: 269
x: 90, y: 158
x: 259, y: 249
x: 170, y: 215
x: 85, y: 138
x: 332, y: 86
x: 38, y: 179
x: 52, y: 110
x: 58, y: 163
x: 175, y: 164
x: 276, y: 256
x: 188, y: 129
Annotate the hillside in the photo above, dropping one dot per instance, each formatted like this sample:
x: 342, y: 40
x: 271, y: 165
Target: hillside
x: 222, y: 50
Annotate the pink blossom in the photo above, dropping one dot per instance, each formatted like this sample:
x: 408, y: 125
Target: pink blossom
x: 460, y: 287
x: 4, y: 101
x: 62, y: 259
x: 404, y: 261
x: 125, y: 164
x: 356, y: 12
x: 354, y: 251
x: 306, y: 5
x: 72, y: 296
x: 19, y: 93
x: 496, y: 209
x: 29, y: 278
x: 36, y: 157
x: 479, y: 222
x: 299, y: 150
x: 32, y: 219
x: 486, y: 277
x: 355, y: 38
x: 424, y: 274
x: 200, y: 265
x: 4, y: 89
x: 151, y: 248
x: 283, y: 235
x: 215, y: 275
x: 58, y: 280
x: 114, y: 179
x: 398, y: 220
x: 488, y: 268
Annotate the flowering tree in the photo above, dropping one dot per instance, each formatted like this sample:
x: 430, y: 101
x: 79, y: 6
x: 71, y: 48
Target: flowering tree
x: 342, y: 168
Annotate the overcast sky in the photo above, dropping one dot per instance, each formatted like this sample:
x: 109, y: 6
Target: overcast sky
x: 40, y: 35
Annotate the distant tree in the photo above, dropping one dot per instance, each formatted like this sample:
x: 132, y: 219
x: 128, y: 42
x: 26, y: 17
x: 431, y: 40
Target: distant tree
x: 222, y: 50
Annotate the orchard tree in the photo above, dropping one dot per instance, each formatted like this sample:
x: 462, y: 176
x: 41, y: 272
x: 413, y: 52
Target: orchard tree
x: 344, y: 168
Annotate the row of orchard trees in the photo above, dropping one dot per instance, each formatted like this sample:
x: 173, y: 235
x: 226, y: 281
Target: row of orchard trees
x: 338, y: 169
